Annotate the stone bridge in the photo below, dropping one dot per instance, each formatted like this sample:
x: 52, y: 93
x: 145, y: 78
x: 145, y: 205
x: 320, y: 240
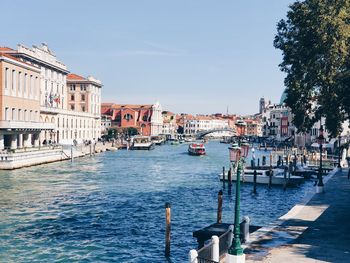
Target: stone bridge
x: 201, y: 134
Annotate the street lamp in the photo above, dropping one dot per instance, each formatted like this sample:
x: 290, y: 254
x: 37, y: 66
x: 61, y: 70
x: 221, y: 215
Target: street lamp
x: 320, y: 140
x: 238, y: 153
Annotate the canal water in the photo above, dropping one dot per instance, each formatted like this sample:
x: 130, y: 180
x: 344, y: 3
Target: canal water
x: 110, y: 208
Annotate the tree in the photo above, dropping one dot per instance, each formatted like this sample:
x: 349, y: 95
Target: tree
x: 315, y: 42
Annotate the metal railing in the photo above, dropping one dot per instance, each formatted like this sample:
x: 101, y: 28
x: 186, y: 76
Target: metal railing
x: 205, y: 254
x: 225, y: 241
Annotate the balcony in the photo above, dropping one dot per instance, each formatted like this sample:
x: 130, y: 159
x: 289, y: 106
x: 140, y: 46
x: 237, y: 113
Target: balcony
x: 30, y: 125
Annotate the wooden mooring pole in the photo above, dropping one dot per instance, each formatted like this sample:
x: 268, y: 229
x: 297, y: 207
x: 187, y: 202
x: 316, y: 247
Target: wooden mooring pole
x: 285, y: 178
x: 230, y: 177
x: 223, y: 176
x: 255, y: 177
x: 219, y: 214
x: 270, y: 176
x: 71, y: 154
x: 168, y: 229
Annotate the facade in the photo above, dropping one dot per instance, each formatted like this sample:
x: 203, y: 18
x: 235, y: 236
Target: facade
x: 147, y: 119
x: 200, y: 123
x: 84, y: 99
x: 169, y: 124
x: 277, y: 122
x: 52, y: 93
x: 20, y: 123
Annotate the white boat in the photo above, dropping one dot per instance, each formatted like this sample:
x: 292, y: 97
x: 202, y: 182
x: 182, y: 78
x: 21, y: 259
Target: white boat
x: 196, y: 149
x: 142, y: 143
x: 264, y: 178
x: 157, y: 140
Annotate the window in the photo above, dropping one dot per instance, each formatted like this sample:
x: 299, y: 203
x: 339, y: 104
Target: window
x: 6, y: 78
x: 82, y: 97
x: 25, y: 83
x: 72, y: 87
x: 13, y: 79
x: 19, y: 81
x: 72, y: 97
x: 19, y: 114
x: 83, y: 108
x: 30, y: 84
x: 13, y: 114
x: 7, y: 117
x: 72, y: 107
x: 128, y: 117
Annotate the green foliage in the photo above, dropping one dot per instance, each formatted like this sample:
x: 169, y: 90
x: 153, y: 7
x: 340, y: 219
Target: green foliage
x: 131, y: 131
x: 314, y: 40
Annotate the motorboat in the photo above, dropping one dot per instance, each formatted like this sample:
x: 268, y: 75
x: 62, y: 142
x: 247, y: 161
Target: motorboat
x: 142, y: 143
x: 196, y: 149
x: 157, y: 140
x: 263, y: 177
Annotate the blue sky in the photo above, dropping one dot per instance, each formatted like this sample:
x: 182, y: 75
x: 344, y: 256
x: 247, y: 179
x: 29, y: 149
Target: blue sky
x: 195, y: 56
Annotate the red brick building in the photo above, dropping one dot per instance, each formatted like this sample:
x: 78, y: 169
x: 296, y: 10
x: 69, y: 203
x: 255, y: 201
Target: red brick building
x: 142, y: 117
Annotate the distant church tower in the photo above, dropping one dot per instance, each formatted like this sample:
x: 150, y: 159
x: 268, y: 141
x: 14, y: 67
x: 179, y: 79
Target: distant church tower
x: 262, y: 105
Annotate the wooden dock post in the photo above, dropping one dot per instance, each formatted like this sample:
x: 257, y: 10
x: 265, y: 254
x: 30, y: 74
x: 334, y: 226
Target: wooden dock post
x: 71, y: 154
x: 258, y: 162
x: 285, y: 178
x: 223, y: 176
x: 219, y: 214
x: 168, y: 229
x: 255, y: 177
x: 230, y: 177
x: 90, y: 149
x: 270, y: 176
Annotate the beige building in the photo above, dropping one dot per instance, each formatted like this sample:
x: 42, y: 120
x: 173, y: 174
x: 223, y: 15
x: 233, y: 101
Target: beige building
x: 20, y: 123
x: 84, y: 96
x: 55, y: 105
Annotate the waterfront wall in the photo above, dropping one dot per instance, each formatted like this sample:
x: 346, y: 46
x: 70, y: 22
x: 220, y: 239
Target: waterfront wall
x: 20, y: 159
x: 10, y: 161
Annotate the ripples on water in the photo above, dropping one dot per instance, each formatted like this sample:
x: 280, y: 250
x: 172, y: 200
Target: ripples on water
x: 110, y: 208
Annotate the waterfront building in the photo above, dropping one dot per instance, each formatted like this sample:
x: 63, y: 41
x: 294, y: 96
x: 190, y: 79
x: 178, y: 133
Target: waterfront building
x: 20, y: 123
x: 147, y: 119
x: 55, y: 107
x: 169, y: 124
x: 277, y: 122
x: 106, y: 123
x: 84, y: 99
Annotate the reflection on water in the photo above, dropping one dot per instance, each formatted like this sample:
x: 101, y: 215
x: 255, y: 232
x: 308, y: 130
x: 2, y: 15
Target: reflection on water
x: 110, y: 208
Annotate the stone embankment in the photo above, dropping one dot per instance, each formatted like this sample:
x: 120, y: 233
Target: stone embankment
x: 48, y: 154
x: 315, y: 231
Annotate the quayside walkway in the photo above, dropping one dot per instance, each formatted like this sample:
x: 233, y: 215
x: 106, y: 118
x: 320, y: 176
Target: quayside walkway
x: 318, y: 231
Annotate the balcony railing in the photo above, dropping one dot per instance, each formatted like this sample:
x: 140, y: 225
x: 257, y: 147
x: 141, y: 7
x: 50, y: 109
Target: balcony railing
x: 26, y: 125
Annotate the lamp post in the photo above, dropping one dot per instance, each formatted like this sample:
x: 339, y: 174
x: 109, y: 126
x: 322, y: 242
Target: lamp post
x: 238, y: 153
x: 320, y: 140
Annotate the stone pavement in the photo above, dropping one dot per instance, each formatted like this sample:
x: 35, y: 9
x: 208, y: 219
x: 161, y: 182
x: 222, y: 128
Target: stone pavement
x: 318, y: 231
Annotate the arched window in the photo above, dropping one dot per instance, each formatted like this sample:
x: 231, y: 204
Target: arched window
x: 128, y: 117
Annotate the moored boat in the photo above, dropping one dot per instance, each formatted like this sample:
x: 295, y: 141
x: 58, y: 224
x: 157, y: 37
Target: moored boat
x: 142, y: 143
x: 196, y: 149
x: 263, y: 177
x: 158, y: 140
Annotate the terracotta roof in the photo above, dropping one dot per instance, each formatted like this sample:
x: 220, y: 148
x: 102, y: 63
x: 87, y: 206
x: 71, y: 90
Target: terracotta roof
x: 6, y: 49
x: 131, y: 106
x: 73, y: 76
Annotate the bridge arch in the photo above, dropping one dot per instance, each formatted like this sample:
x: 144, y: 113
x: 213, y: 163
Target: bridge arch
x: 201, y: 134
